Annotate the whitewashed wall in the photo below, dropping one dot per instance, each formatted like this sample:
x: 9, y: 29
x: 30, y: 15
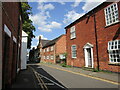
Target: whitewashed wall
x: 24, y: 51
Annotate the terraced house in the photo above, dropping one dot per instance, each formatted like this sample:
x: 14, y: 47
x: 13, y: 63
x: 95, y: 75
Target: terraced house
x: 93, y: 40
x: 10, y: 34
x: 55, y: 49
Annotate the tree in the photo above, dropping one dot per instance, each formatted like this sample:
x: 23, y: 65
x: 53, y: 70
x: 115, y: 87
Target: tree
x: 27, y: 23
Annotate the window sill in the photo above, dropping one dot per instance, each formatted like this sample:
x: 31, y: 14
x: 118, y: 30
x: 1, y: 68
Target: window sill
x: 112, y: 24
x: 74, y: 57
x: 116, y: 64
x: 72, y: 38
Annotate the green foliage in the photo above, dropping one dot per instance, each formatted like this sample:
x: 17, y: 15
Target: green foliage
x: 65, y: 65
x: 95, y: 70
x: 27, y: 23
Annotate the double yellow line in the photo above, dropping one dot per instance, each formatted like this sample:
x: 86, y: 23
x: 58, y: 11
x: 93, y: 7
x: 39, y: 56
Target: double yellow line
x: 41, y: 82
x: 97, y: 78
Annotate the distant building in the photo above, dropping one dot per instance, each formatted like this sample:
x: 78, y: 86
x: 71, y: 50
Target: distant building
x: 53, y: 49
x: 93, y: 40
x: 24, y: 50
x: 41, y: 44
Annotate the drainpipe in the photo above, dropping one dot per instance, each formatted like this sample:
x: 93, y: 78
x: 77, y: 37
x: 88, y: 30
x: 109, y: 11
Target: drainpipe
x: 96, y: 42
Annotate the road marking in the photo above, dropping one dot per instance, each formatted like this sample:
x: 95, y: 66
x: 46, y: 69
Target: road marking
x: 42, y: 84
x: 41, y: 76
x: 51, y: 81
x: 116, y: 83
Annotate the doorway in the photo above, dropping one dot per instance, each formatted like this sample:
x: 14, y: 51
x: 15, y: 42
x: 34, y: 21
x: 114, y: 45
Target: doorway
x: 88, y: 51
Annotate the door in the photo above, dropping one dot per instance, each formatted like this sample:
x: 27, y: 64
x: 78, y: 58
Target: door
x: 89, y: 57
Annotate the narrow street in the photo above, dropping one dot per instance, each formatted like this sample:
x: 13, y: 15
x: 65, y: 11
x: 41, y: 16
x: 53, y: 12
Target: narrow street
x: 54, y: 78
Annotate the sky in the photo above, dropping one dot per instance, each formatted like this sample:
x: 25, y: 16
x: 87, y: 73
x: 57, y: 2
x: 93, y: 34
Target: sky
x: 50, y: 18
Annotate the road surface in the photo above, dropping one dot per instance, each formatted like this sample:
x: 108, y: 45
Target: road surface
x: 54, y: 78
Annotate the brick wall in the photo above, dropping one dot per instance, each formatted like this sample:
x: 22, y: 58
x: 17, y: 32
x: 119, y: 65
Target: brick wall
x: 11, y: 16
x: 61, y: 45
x: 59, y: 48
x: 48, y: 53
x: 0, y: 45
x: 85, y: 33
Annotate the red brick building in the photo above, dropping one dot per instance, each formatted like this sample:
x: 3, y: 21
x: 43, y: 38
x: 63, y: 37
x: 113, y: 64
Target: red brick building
x: 54, y: 49
x: 93, y: 40
x: 11, y: 41
x: 40, y: 45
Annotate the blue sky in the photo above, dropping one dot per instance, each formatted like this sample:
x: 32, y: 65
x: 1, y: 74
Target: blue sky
x: 50, y: 18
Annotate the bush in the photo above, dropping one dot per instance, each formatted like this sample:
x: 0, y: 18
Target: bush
x: 63, y: 64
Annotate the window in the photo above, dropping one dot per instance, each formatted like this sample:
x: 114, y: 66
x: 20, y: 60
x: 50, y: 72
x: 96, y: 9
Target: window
x: 44, y: 57
x: 44, y: 50
x: 114, y: 51
x: 48, y: 49
x: 72, y: 32
x: 111, y: 14
x: 47, y: 57
x: 74, y: 53
x: 51, y: 48
x: 40, y: 50
x: 52, y: 57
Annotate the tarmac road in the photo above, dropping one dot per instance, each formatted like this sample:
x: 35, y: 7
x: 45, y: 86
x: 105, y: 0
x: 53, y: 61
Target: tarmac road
x: 54, y: 78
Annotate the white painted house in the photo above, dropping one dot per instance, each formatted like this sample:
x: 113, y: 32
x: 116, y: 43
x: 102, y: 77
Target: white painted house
x: 24, y: 51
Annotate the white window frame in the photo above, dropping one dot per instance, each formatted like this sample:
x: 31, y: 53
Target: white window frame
x: 73, y: 51
x: 110, y: 12
x: 48, y: 49
x: 44, y: 50
x: 114, y: 51
x: 52, y: 48
x: 52, y: 57
x: 47, y: 57
x: 44, y: 57
x: 72, y: 32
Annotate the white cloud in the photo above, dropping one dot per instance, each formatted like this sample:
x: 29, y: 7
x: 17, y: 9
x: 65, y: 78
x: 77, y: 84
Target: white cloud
x: 76, y: 3
x: 50, y: 26
x: 37, y: 37
x: 62, y: 3
x: 33, y: 46
x: 71, y: 16
x: 45, y: 29
x: 44, y: 7
x: 54, y: 25
x: 42, y: 37
x: 90, y: 4
x: 41, y: 18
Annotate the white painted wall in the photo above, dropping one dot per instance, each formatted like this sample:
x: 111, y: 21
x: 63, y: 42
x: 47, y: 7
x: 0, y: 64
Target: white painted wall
x: 0, y: 45
x: 24, y: 51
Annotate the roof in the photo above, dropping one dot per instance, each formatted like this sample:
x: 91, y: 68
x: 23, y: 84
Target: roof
x: 87, y: 14
x: 44, y: 42
x: 52, y: 42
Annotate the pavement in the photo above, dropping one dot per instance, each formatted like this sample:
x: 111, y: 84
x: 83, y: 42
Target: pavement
x: 113, y: 77
x: 25, y: 79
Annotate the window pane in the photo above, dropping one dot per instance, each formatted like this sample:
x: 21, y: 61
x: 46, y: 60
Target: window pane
x: 114, y: 60
x: 118, y: 46
x: 119, y: 42
x: 118, y: 60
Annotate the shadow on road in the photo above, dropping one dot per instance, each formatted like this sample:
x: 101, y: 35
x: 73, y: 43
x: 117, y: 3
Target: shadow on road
x: 49, y: 80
